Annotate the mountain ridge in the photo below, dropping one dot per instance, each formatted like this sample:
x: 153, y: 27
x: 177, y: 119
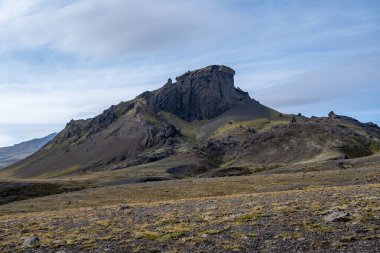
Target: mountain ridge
x: 198, y: 126
x: 12, y: 154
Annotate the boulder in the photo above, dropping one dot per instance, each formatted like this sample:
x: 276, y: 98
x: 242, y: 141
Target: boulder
x: 123, y: 207
x: 337, y: 216
x: 31, y: 241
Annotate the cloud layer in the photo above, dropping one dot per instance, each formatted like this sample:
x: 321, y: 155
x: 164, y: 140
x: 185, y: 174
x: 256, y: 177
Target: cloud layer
x: 95, y: 28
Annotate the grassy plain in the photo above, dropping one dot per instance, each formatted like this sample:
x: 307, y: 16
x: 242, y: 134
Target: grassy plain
x: 280, y: 212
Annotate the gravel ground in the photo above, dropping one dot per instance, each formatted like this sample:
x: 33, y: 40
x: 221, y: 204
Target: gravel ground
x: 284, y: 221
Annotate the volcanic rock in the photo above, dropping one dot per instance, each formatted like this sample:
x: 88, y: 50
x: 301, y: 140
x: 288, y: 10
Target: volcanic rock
x: 332, y: 115
x: 200, y: 94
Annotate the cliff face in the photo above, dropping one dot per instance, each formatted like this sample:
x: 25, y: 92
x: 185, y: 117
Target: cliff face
x: 201, y: 94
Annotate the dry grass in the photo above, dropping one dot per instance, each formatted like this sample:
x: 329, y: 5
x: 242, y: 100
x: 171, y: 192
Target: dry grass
x: 266, y: 222
x: 192, y: 188
x: 258, y: 213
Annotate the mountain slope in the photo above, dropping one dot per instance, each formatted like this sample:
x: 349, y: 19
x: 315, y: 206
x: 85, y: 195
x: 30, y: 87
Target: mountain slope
x: 145, y: 129
x: 96, y: 143
x: 199, y: 126
x: 15, y: 153
x: 300, y: 140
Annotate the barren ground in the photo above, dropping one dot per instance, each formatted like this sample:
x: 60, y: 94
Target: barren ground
x: 258, y: 213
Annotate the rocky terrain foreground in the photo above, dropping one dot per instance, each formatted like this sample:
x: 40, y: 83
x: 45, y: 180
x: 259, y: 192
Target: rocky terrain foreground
x: 317, y: 211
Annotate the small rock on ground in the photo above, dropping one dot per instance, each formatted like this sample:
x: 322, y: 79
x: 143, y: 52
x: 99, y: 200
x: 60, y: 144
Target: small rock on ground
x: 123, y: 207
x: 31, y: 241
x: 337, y: 216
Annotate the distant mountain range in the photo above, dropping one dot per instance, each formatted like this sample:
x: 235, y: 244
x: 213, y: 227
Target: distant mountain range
x: 15, y: 153
x: 201, y: 125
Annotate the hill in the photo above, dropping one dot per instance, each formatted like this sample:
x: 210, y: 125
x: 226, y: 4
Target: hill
x: 15, y: 153
x: 203, y: 126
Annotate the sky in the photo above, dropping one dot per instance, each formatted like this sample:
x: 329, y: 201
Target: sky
x: 66, y: 59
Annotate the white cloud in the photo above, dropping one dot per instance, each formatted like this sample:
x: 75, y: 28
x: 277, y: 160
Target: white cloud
x: 10, y: 10
x: 340, y: 77
x: 6, y: 140
x: 52, y: 107
x: 116, y: 27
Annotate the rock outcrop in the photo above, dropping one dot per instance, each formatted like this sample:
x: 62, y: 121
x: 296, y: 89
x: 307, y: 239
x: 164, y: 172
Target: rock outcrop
x: 201, y: 94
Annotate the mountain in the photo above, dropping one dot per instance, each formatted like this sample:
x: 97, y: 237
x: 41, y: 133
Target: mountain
x: 201, y: 125
x: 15, y: 153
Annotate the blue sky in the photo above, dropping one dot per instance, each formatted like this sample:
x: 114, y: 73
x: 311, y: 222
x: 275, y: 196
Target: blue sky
x: 65, y: 59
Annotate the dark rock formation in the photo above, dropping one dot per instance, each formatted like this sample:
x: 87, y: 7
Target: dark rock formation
x: 76, y: 129
x: 332, y: 115
x: 201, y: 94
x: 371, y: 124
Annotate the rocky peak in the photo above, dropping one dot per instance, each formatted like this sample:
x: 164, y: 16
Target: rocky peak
x: 200, y: 94
x: 332, y: 115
